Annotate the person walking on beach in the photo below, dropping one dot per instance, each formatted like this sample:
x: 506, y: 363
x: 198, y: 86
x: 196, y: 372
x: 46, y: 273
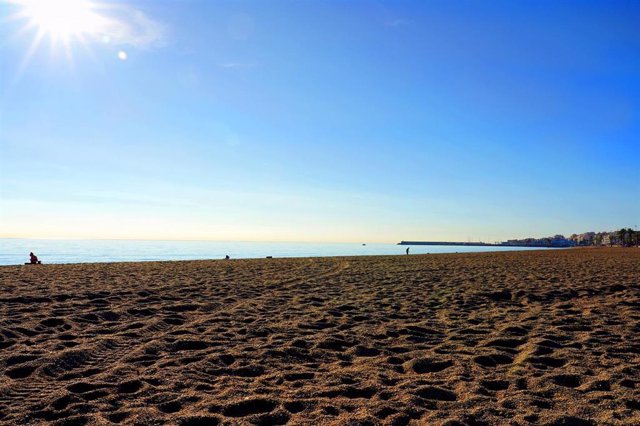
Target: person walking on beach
x: 408, y: 250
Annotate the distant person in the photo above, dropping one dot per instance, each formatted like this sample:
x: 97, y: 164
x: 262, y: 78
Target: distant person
x: 408, y: 250
x: 227, y: 257
x: 34, y: 259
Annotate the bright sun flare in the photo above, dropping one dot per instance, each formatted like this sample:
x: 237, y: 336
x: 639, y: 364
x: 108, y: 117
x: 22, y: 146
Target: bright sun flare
x: 63, y: 19
x: 66, y: 23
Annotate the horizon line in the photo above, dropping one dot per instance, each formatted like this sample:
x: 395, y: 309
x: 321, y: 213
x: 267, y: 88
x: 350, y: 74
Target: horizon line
x: 192, y: 239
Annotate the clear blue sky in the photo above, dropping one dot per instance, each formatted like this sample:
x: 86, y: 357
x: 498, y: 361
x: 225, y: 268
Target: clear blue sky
x: 319, y: 120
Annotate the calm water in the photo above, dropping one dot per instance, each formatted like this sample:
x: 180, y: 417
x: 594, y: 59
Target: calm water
x: 16, y: 251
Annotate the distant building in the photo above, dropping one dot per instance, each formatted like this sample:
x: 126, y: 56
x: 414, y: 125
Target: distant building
x: 581, y: 239
x: 586, y: 239
x: 555, y: 241
x: 560, y: 241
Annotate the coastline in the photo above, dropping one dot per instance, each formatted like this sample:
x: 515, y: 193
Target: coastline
x: 99, y: 251
x: 271, y: 258
x: 532, y: 250
x: 534, y: 336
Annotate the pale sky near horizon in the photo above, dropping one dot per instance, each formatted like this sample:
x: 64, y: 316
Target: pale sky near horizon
x: 363, y: 121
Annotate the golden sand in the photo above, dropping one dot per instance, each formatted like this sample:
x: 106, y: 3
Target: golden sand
x: 544, y: 337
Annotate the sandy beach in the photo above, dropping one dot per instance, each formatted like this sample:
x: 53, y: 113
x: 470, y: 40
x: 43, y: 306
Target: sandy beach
x: 518, y: 338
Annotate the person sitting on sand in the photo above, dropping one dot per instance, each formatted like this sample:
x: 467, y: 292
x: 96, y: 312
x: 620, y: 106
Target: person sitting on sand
x: 34, y: 259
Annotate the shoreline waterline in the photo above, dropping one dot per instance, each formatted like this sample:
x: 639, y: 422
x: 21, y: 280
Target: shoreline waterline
x: 16, y: 251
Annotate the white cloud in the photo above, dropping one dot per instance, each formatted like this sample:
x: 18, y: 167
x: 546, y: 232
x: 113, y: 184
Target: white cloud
x: 131, y: 27
x: 108, y: 21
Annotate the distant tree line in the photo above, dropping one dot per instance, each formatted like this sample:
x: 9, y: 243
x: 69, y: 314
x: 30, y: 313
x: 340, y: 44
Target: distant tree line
x: 628, y: 237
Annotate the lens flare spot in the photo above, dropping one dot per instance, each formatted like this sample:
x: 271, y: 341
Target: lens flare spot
x: 122, y: 55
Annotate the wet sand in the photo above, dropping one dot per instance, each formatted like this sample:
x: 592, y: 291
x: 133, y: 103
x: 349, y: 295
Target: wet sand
x: 542, y: 337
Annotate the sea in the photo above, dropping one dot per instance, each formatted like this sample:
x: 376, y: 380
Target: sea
x: 15, y: 251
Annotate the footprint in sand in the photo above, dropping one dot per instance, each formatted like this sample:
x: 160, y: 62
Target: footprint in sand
x: 427, y: 365
x: 248, y: 407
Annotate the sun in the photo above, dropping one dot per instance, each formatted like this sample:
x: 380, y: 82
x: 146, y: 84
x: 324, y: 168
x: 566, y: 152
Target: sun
x: 66, y: 24
x: 77, y: 29
x: 63, y: 19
